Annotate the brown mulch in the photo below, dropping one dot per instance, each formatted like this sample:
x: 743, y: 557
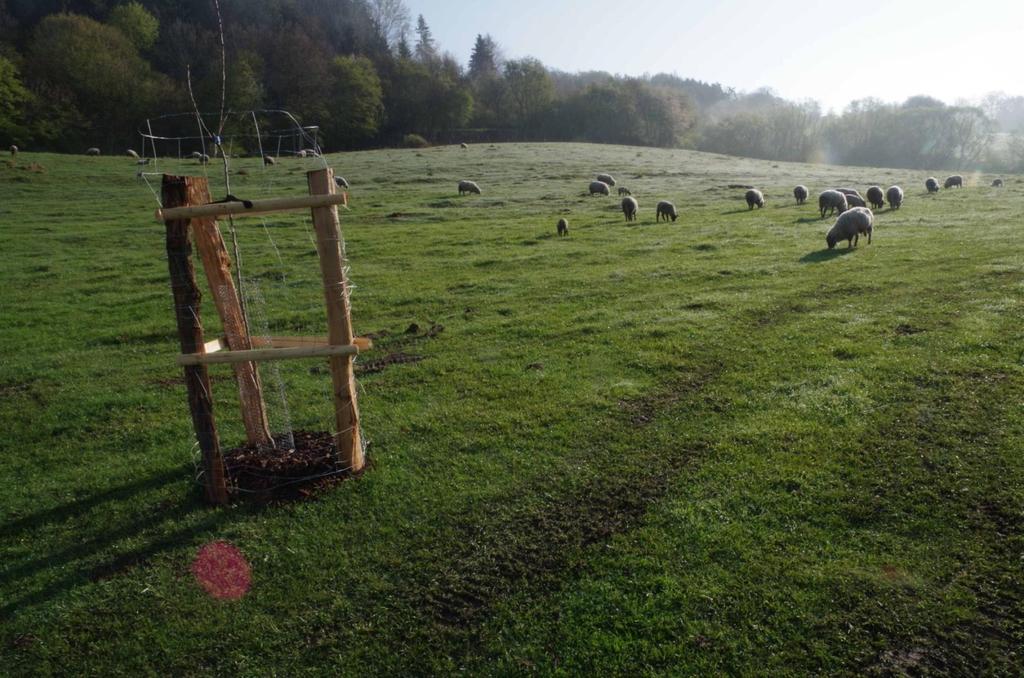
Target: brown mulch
x: 287, y: 471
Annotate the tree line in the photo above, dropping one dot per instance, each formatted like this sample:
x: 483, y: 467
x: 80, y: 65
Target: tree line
x: 77, y: 73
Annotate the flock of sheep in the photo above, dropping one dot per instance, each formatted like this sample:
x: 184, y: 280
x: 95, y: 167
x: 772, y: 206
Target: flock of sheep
x: 854, y: 218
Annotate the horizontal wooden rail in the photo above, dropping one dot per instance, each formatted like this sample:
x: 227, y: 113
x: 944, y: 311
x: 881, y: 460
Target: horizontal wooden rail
x: 221, y: 344
x: 219, y: 209
x: 261, y: 354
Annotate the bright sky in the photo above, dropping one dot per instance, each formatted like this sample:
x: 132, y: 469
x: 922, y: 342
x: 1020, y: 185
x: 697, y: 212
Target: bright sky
x: 831, y: 52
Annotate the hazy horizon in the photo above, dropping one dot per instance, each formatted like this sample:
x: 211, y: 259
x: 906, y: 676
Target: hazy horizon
x: 889, y: 51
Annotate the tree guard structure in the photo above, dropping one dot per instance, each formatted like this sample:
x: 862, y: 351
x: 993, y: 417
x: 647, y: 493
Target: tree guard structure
x: 190, y: 218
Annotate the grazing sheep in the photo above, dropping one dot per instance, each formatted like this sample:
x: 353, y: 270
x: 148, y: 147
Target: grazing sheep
x: 932, y: 184
x: 599, y: 187
x: 955, y: 181
x: 997, y: 183
x: 800, y: 193
x: 269, y: 160
x: 143, y: 161
x: 895, y: 197
x: 606, y: 178
x: 14, y: 151
x: 196, y: 155
x: 563, y: 226
x: 92, y: 151
x: 754, y: 197
x: 855, y: 201
x: 464, y: 145
x: 624, y: 191
x: 630, y: 207
x: 301, y: 154
x: 850, y: 225
x: 850, y: 191
x: 667, y: 210
x: 468, y: 187
x: 204, y: 159
x: 132, y: 154
x: 832, y: 201
x: 340, y: 182
x: 876, y: 197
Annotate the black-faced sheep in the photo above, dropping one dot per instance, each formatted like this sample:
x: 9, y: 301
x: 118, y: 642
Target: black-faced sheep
x: 340, y: 182
x: 92, y: 151
x: 624, y: 191
x: 997, y: 183
x: 630, y: 207
x: 850, y: 225
x: 876, y: 197
x: 932, y: 184
x: 468, y: 187
x: 800, y: 193
x: 599, y: 187
x: 754, y: 197
x: 667, y: 210
x: 606, y: 178
x: 955, y: 181
x: 895, y: 197
x: 832, y: 201
x: 269, y: 160
x: 563, y: 226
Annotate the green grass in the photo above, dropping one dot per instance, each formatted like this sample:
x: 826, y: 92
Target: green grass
x: 699, y: 447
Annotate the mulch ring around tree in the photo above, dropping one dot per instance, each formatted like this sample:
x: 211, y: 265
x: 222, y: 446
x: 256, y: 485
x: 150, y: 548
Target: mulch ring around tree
x: 300, y: 466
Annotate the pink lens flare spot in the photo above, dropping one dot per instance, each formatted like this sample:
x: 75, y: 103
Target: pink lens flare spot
x: 222, y: 571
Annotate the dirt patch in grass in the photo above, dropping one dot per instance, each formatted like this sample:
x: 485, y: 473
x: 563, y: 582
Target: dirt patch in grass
x: 535, y: 544
x: 298, y: 466
x: 905, y: 329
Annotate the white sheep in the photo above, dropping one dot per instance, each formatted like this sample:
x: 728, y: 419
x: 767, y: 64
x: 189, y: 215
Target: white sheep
x: 630, y: 207
x: 14, y: 151
x: 932, y: 184
x: 132, y: 154
x: 895, y: 197
x: 468, y: 187
x: 754, y: 197
x: 340, y: 182
x: 599, y: 187
x: 269, y: 160
x: 850, y: 225
x: 855, y: 201
x: 667, y: 210
x: 563, y: 226
x: 832, y: 201
x: 606, y: 178
x: 876, y: 197
x: 92, y: 151
x: 800, y: 193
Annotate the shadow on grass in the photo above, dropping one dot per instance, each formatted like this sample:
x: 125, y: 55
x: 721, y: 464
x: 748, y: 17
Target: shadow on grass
x: 93, y: 555
x: 808, y: 220
x: 738, y: 211
x: 825, y: 255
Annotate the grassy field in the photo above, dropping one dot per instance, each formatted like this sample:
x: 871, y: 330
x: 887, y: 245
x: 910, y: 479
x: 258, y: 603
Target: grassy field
x: 701, y: 447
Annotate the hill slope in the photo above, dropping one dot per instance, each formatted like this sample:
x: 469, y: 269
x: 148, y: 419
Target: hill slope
x: 694, y: 447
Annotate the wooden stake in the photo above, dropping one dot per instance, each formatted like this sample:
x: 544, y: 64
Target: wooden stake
x: 339, y: 320
x: 190, y: 334
x: 217, y: 265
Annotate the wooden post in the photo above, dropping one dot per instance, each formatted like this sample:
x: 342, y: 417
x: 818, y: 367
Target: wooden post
x: 190, y: 333
x: 339, y: 321
x: 217, y: 265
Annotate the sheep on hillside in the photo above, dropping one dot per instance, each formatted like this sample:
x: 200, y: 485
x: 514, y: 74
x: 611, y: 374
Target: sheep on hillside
x: 667, y: 210
x: 832, y: 201
x: 92, y: 151
x: 855, y: 201
x: 563, y: 226
x: 132, y: 154
x: 196, y: 155
x: 606, y: 178
x: 464, y: 145
x: 599, y: 187
x: 932, y: 184
x: 800, y: 193
x: 850, y: 191
x: 468, y: 187
x: 630, y: 207
x: 997, y: 183
x: 754, y: 197
x: 14, y: 151
x: 876, y: 197
x: 955, y: 181
x: 850, y: 225
x: 269, y: 160
x: 340, y: 182
x: 624, y: 191
x: 895, y: 197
